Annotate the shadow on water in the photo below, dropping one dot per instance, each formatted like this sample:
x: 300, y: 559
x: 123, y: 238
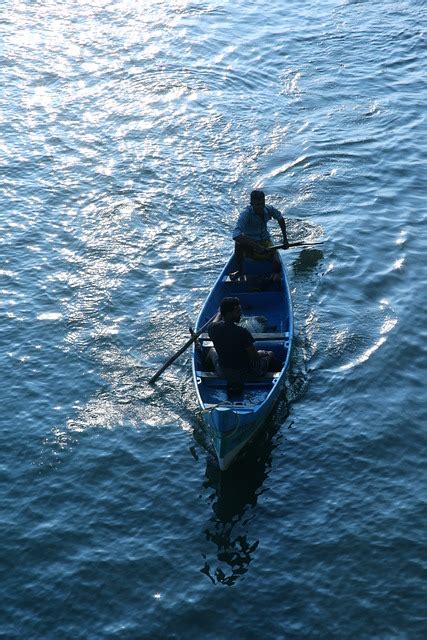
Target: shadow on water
x: 234, y: 497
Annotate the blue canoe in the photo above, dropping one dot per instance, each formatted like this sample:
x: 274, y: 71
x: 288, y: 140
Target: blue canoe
x: 232, y: 423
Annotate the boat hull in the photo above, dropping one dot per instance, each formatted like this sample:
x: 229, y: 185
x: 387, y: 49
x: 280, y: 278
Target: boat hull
x: 231, y: 424
x: 231, y: 430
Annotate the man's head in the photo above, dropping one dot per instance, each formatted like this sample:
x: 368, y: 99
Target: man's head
x: 258, y: 200
x: 230, y: 309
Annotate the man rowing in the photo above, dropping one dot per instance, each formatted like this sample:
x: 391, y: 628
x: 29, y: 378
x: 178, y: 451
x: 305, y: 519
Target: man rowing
x: 251, y: 236
x: 234, y: 355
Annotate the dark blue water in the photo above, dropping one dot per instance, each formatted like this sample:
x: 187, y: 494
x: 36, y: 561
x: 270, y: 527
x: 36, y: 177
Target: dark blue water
x: 130, y: 136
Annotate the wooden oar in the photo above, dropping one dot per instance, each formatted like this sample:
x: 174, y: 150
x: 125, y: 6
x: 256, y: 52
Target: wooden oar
x: 194, y: 337
x: 293, y: 244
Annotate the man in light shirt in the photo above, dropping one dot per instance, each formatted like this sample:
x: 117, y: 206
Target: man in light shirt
x: 251, y: 236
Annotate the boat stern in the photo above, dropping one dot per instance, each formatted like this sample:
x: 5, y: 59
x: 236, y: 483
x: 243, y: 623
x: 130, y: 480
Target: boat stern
x: 230, y: 431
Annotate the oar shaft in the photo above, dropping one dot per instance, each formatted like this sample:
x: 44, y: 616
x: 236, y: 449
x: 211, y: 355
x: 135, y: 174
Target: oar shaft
x: 294, y: 244
x: 178, y: 353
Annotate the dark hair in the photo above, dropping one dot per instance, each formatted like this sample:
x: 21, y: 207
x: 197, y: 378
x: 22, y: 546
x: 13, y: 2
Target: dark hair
x: 257, y: 196
x: 228, y: 304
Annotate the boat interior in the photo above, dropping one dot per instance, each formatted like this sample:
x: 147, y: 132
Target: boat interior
x: 260, y: 298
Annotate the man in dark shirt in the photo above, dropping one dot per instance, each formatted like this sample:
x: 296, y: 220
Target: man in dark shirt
x: 235, y: 355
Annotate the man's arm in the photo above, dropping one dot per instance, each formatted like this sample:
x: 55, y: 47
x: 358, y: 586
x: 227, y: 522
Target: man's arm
x: 275, y: 213
x: 213, y: 322
x: 282, y: 225
x: 253, y: 355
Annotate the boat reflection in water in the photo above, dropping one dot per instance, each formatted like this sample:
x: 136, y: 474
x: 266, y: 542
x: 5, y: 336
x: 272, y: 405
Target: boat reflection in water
x: 235, y: 495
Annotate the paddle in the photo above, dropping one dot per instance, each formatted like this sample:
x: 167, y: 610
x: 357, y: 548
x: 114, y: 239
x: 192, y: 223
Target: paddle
x: 194, y: 336
x: 293, y: 244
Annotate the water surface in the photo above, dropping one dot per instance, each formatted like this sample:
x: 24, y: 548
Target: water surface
x: 131, y: 136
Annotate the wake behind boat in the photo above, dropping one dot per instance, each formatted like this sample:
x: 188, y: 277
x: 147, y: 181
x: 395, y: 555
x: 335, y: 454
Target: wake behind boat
x: 231, y: 422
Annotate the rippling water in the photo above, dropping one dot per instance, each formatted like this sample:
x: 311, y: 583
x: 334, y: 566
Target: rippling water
x: 130, y: 136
